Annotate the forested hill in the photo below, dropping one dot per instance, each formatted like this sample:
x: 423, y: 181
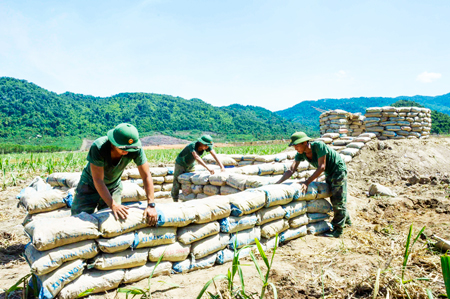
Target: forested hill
x: 306, y: 114
x: 27, y: 110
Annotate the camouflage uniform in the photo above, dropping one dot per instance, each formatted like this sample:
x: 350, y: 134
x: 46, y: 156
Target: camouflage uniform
x: 338, y: 184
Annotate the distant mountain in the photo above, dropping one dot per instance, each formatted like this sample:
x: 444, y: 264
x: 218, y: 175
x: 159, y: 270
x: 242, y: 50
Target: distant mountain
x: 307, y: 112
x: 27, y: 111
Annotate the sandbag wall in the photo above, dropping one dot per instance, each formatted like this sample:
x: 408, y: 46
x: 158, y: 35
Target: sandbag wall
x: 398, y: 122
x: 73, y: 254
x: 341, y: 122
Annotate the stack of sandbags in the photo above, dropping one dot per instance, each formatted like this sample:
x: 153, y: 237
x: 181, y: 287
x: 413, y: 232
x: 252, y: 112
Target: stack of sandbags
x: 398, y: 122
x: 335, y: 121
x: 356, y: 126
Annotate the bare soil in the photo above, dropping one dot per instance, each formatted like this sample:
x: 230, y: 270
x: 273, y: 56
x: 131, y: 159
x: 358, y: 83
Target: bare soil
x: 316, y: 267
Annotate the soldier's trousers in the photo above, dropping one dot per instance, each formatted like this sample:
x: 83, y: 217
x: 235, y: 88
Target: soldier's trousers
x: 338, y: 183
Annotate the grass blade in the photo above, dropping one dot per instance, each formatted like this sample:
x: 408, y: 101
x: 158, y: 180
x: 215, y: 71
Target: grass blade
x: 377, y: 284
x: 445, y: 264
x: 262, y: 253
x: 275, y: 294
x: 257, y: 266
x: 208, y: 283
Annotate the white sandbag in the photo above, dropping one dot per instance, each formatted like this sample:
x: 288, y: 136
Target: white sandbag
x: 318, y: 228
x: 46, y: 201
x: 211, y: 190
x: 270, y: 229
x: 346, y: 158
x: 350, y: 152
x: 162, y: 194
x: 210, y: 209
x: 49, y: 233
x: 331, y: 135
x: 43, y: 262
x: 155, y: 236
x: 175, y: 214
x: 237, y: 181
x: 377, y: 189
x: 156, y: 188
x: 219, y: 178
x: 245, y: 237
x: 226, y: 255
x: 186, y: 188
x: 143, y: 272
x: 209, y: 245
x: 374, y: 110
x: 389, y: 134
x: 60, y: 213
x: 279, y: 168
x: 265, y: 169
x: 93, y: 280
x: 311, y: 193
x: 362, y: 139
x: 255, y: 181
x: 370, y: 135
x: 133, y: 173
x: 250, y: 170
x: 245, y: 163
x: 168, y: 179
x: 319, y: 206
x: 236, y: 157
x: 226, y: 190
x: 120, y: 260
x: 196, y: 232
x: 393, y: 128
x: 295, y: 209
x: 158, y: 171
x: 325, y: 140
x: 64, y: 179
x: 52, y: 283
x: 132, y: 192
x: 357, y: 145
x: 185, y: 177
x: 266, y: 215
x: 341, y: 142
x: 279, y: 194
x: 197, y: 189
x: 189, y: 265
x: 110, y: 227
x: 299, y: 221
x: 201, y: 178
x: 224, y: 159
x: 265, y: 158
x: 403, y: 133
x: 233, y: 224
x: 175, y: 252
x: 246, y: 202
x: 166, y: 187
x: 316, y: 217
x: 293, y: 233
x: 280, y: 157
x: 116, y: 244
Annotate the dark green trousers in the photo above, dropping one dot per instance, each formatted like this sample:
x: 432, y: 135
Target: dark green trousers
x: 87, y: 198
x: 338, y: 185
x: 176, y: 185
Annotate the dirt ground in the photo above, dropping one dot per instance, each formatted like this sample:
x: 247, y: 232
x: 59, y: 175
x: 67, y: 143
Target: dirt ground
x: 318, y: 267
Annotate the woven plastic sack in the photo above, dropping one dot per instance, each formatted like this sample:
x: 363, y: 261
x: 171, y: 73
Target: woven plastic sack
x: 318, y: 228
x: 143, y: 272
x: 319, y: 206
x: 132, y: 192
x: 279, y: 168
x: 155, y: 236
x: 374, y: 110
x: 175, y: 214
x: 250, y: 170
x: 357, y: 145
x: 277, y: 194
x: 316, y: 217
x: 197, y: 189
x: 190, y: 265
x: 341, y: 142
x: 43, y: 262
x: 196, y: 232
x: 350, y: 151
x: 51, y: 284
x: 46, y: 201
x: 60, y: 213
x: 175, y: 252
x: 295, y: 209
x: 325, y: 140
x: 237, y: 181
x: 166, y: 187
x: 393, y: 128
x: 186, y: 188
x: 226, y: 255
x: 185, y: 177
x: 110, y: 227
x: 158, y: 171
x: 363, y: 139
x: 168, y: 179
x: 299, y: 221
x: 64, y: 179
x: 49, y: 233
x: 227, y: 190
x: 120, y: 260
x: 254, y: 181
x: 162, y: 194
x: 246, y: 202
x: 201, y: 178
x: 209, y: 245
x: 269, y: 214
x: 116, y: 244
x: 270, y: 229
x: 245, y: 237
x: 327, y: 135
x: 219, y: 178
x: 133, y: 173
x: 245, y: 163
x: 293, y: 233
x: 265, y: 169
x: 233, y: 224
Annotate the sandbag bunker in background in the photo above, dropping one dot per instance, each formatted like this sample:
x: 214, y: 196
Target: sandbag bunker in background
x: 72, y: 254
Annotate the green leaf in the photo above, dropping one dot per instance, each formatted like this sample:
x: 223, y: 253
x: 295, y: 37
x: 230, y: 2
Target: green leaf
x: 445, y: 264
x: 275, y: 294
x: 85, y: 293
x: 262, y: 253
x: 208, y: 283
x: 257, y: 266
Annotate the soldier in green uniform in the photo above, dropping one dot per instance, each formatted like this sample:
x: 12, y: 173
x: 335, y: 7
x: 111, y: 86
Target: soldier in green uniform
x: 100, y: 185
x: 325, y: 160
x: 186, y: 158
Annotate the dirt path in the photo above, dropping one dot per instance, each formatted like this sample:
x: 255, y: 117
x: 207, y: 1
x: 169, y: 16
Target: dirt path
x: 312, y: 267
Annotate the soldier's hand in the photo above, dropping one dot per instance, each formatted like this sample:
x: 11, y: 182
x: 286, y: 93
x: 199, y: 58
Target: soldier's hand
x: 151, y: 216
x: 304, y: 188
x: 211, y: 171
x: 119, y: 211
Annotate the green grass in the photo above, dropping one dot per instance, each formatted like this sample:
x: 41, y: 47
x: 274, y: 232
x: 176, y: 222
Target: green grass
x: 16, y: 167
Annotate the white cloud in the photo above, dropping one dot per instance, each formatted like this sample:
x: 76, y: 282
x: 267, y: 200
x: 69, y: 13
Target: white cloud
x: 342, y: 74
x: 427, y: 77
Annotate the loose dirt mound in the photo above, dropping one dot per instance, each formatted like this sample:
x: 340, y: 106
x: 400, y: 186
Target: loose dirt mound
x: 313, y: 267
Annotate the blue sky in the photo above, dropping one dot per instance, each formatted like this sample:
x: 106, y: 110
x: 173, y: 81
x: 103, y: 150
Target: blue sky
x: 273, y: 54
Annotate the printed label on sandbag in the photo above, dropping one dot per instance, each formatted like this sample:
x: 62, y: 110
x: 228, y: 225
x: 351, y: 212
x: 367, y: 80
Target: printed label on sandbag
x: 196, y: 232
x: 94, y: 280
x: 209, y: 245
x: 43, y: 262
x: 188, y: 265
x: 293, y: 233
x: 245, y: 237
x: 120, y: 260
x: 154, y: 236
x: 185, y: 177
x: 143, y: 272
x: 318, y: 228
x: 226, y: 255
x: 247, y: 202
x: 319, y: 206
x: 175, y: 214
x: 175, y: 252
x: 233, y: 224
x: 49, y: 233
x: 298, y: 221
x: 116, y: 244
x: 270, y: 229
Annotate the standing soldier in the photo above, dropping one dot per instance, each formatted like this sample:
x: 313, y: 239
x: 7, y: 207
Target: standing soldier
x: 186, y: 158
x: 100, y: 185
x: 325, y: 160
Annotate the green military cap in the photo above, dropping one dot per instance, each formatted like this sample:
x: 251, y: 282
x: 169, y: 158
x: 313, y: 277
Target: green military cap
x: 298, y: 137
x: 125, y: 137
x: 206, y: 140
